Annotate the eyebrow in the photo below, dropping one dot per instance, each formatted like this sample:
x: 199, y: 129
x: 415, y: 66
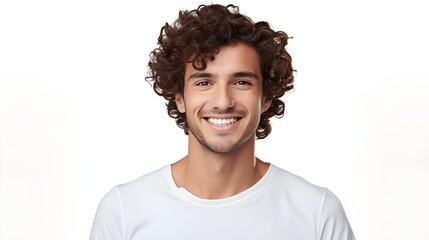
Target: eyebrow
x: 236, y: 74
x: 200, y: 75
x: 245, y: 74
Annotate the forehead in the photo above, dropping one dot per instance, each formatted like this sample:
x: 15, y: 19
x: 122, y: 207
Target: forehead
x: 231, y: 58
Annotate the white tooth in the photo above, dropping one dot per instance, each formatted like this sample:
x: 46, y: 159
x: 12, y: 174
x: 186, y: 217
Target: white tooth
x: 218, y: 121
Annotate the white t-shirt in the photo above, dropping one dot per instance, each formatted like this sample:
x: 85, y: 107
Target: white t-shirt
x: 279, y: 206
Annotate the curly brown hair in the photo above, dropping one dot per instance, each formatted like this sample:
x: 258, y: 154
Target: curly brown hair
x: 199, y: 34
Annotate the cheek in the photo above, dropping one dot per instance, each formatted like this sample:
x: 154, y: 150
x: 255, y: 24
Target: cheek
x: 253, y: 101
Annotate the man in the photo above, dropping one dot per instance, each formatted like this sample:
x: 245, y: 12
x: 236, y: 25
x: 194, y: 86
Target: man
x: 222, y: 76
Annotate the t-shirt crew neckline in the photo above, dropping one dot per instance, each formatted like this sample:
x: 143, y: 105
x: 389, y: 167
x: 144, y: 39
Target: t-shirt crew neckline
x: 188, y: 196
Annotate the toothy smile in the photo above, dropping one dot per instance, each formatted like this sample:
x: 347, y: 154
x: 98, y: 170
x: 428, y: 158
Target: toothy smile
x: 221, y: 121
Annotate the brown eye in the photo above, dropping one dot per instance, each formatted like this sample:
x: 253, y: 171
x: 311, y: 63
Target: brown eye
x: 202, y: 83
x: 242, y: 82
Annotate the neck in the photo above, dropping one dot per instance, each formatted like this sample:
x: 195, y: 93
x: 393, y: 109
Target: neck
x: 212, y: 175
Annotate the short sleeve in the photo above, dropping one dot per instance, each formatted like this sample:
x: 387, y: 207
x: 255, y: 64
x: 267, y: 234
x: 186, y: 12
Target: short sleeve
x: 108, y: 221
x: 333, y: 222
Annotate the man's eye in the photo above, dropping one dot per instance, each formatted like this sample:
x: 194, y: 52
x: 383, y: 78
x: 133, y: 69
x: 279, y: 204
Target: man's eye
x: 203, y: 83
x: 242, y: 82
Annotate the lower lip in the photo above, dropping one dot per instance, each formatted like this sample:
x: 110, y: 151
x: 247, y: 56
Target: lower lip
x: 223, y: 128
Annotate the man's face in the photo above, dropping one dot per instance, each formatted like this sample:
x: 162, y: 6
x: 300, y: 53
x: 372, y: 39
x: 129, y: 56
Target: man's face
x: 223, y: 102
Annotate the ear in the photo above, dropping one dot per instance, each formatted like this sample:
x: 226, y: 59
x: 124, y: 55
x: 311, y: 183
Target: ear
x: 266, y: 103
x: 180, y: 102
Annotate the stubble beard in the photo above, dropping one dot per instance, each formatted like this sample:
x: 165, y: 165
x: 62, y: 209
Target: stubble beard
x: 226, y: 147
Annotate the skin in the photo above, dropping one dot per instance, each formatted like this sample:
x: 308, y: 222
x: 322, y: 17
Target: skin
x: 221, y: 158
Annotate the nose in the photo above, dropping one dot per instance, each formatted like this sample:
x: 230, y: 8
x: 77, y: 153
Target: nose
x: 223, y: 98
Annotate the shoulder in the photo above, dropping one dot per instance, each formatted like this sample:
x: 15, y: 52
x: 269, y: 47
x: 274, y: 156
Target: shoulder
x: 296, y: 193
x: 123, y: 200
x: 333, y: 222
x: 297, y: 186
x: 145, y: 188
x: 316, y: 202
x: 134, y: 191
x: 142, y: 185
x: 147, y: 181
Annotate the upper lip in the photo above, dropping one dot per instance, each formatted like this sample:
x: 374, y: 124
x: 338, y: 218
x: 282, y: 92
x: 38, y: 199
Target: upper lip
x: 222, y: 117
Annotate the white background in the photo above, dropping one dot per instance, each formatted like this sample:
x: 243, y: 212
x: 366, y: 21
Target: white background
x: 77, y: 117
